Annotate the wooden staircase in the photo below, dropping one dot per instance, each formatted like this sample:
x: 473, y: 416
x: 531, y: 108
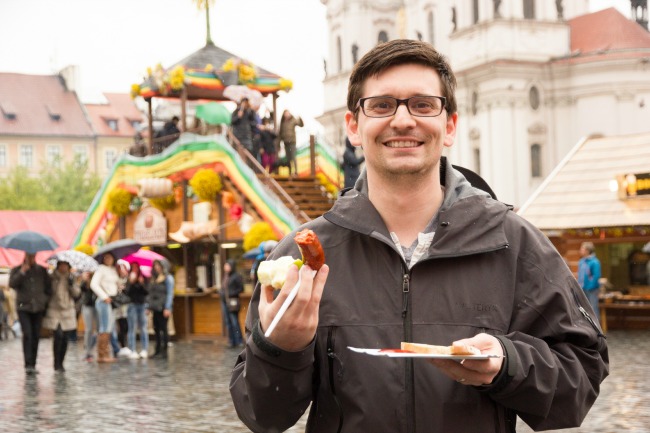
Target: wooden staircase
x: 308, y: 194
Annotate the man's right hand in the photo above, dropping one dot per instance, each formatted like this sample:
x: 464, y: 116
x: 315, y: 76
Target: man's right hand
x: 296, y: 329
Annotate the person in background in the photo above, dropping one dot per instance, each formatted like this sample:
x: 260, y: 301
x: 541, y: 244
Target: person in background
x: 288, y: 125
x: 104, y: 284
x: 231, y: 286
x: 33, y: 287
x: 160, y: 301
x: 89, y: 315
x: 61, y: 315
x: 415, y: 253
x: 137, y: 312
x: 244, y: 123
x: 268, y: 150
x: 121, y: 328
x: 589, y: 274
x: 167, y: 135
x: 351, y: 164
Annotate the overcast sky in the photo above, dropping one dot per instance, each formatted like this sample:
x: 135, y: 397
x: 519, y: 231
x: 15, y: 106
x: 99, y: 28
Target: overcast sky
x: 114, y: 41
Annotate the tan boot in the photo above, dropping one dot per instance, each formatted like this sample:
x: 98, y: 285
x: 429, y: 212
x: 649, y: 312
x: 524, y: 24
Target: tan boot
x: 103, y: 348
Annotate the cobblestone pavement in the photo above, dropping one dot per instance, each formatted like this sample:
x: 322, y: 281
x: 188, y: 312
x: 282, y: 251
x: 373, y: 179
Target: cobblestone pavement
x: 189, y: 391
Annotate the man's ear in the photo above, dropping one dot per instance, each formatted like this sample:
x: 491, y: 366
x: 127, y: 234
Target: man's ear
x: 352, y: 128
x: 450, y: 130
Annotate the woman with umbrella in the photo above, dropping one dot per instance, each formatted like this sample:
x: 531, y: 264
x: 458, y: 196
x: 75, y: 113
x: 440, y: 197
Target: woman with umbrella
x: 61, y: 314
x: 105, y: 285
x: 33, y: 288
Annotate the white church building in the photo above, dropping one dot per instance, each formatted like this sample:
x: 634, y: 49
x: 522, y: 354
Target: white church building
x: 534, y: 76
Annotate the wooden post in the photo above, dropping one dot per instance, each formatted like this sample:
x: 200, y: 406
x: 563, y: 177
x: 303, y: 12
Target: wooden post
x: 275, y: 111
x: 186, y: 211
x: 312, y: 154
x: 184, y: 109
x: 150, y: 111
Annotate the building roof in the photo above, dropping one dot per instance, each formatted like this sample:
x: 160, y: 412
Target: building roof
x: 606, y: 35
x: 61, y: 226
x: 40, y: 105
x: 577, y: 193
x: 121, y: 109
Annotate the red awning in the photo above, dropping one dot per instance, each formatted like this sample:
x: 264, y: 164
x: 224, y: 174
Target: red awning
x: 62, y: 226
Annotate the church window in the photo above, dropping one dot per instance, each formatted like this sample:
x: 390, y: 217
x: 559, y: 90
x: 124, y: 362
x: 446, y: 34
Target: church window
x: 430, y: 27
x: 475, y: 12
x: 529, y: 9
x: 339, y: 54
x: 533, y: 97
x: 536, y: 160
x: 382, y: 37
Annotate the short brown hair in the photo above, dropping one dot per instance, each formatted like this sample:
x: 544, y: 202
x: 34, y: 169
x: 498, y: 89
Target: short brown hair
x: 401, y: 52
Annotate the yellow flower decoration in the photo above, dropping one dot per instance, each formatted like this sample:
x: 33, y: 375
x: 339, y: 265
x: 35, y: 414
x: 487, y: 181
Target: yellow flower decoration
x: 209, y: 67
x: 259, y: 232
x: 246, y: 73
x: 135, y: 91
x: 118, y: 202
x: 285, y: 84
x: 228, y: 66
x: 163, y: 203
x: 206, y: 184
x: 85, y: 248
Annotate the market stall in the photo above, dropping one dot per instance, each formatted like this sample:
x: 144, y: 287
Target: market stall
x: 601, y: 193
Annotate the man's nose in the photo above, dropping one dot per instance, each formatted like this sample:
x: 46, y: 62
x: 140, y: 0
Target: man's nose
x: 402, y: 118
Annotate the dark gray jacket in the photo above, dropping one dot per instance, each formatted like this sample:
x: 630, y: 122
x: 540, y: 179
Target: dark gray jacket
x: 487, y: 270
x: 33, y: 288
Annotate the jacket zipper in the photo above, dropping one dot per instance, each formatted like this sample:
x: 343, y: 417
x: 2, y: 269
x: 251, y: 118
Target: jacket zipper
x: 409, y: 378
x: 331, y: 356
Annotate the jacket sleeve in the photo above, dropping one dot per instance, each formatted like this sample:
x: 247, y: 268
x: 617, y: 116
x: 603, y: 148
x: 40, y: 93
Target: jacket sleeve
x: 556, y: 355
x: 169, y: 298
x: 16, y: 278
x: 270, y: 388
x: 96, y: 284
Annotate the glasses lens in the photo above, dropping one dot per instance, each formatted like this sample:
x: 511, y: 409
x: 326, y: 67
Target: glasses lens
x: 425, y: 106
x: 379, y: 106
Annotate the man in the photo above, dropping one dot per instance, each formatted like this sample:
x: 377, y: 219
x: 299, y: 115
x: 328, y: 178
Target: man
x: 287, y: 134
x: 351, y: 163
x: 243, y: 121
x: 417, y: 254
x: 33, y: 288
x: 589, y: 274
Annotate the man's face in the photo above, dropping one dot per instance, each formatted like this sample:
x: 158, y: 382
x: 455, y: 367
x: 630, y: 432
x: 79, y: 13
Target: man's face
x: 402, y: 145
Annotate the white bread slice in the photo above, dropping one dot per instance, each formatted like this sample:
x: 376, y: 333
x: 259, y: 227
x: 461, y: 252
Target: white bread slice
x: 458, y: 349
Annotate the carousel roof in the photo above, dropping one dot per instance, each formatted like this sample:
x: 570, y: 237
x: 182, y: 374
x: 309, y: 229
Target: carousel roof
x: 206, y: 73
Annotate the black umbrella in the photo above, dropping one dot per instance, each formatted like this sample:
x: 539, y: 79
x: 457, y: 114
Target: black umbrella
x: 28, y: 241
x: 118, y: 249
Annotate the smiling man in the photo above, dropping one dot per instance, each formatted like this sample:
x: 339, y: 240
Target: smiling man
x: 415, y: 253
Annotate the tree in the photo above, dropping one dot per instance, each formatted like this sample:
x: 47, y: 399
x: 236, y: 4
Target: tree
x: 61, y: 187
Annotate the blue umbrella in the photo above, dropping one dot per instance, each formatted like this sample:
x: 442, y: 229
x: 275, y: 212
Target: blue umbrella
x: 28, y: 241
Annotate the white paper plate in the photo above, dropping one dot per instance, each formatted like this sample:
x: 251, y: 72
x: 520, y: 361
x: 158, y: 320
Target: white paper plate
x: 395, y: 353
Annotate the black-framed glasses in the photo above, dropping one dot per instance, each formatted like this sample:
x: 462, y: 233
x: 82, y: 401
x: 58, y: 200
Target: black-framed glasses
x: 386, y: 106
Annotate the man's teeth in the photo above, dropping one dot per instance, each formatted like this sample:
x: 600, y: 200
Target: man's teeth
x: 402, y: 144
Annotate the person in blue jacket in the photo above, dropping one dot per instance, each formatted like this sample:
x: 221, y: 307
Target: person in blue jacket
x: 589, y: 274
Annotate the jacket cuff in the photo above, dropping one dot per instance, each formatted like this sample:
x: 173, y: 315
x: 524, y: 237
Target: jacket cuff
x: 264, y: 349
x: 508, y: 367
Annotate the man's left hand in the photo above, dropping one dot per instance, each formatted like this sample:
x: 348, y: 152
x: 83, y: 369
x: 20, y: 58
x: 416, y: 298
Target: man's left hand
x: 475, y: 372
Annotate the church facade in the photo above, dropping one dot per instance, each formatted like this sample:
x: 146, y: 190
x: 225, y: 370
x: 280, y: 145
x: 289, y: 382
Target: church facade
x: 534, y: 76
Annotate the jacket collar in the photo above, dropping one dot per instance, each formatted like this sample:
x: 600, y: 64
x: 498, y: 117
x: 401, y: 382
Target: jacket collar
x: 469, y: 221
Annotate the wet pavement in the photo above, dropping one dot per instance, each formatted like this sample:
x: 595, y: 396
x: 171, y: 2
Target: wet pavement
x: 189, y: 391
